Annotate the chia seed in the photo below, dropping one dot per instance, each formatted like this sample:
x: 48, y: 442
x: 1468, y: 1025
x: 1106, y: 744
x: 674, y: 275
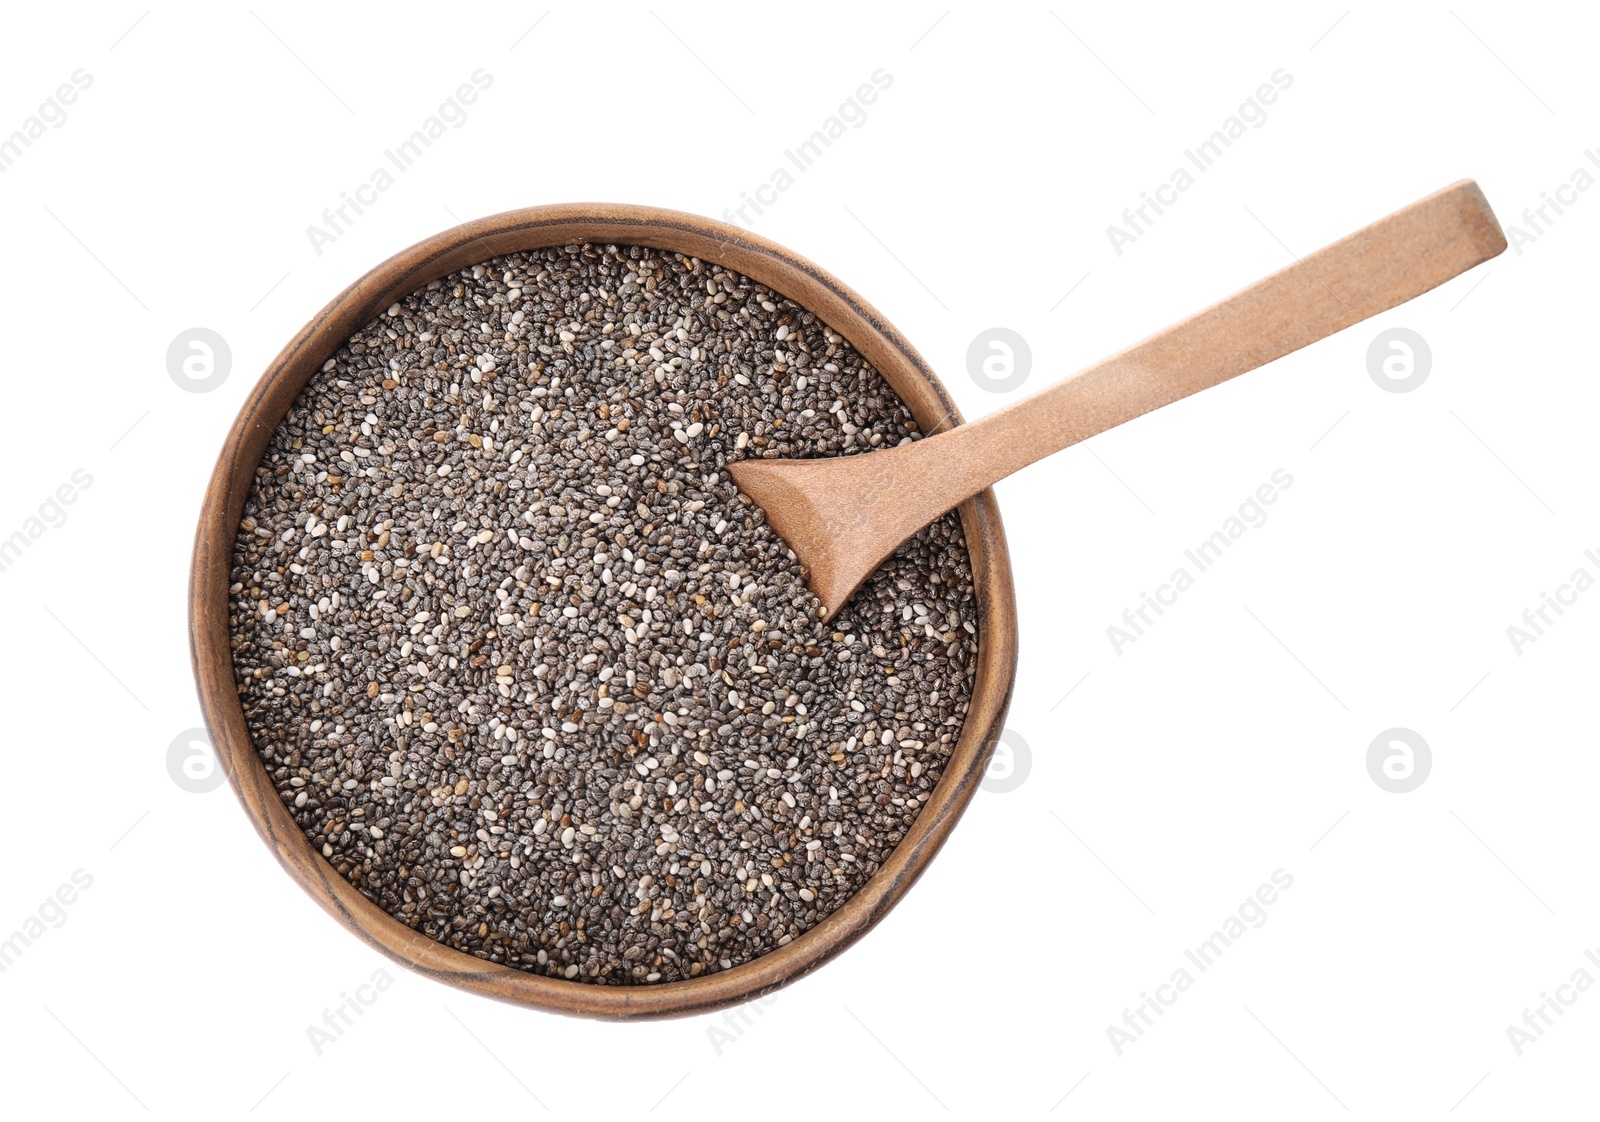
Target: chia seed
x: 527, y: 668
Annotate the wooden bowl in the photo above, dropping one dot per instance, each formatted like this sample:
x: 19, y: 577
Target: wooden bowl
x: 358, y: 305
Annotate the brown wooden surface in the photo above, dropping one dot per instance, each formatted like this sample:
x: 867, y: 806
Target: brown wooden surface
x: 537, y: 228
x: 843, y: 515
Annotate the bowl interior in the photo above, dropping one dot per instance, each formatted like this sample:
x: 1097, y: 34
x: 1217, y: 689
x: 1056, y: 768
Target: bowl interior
x: 539, y: 228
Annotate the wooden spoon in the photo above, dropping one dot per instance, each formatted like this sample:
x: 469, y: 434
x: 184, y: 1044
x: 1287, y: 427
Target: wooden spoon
x: 844, y: 515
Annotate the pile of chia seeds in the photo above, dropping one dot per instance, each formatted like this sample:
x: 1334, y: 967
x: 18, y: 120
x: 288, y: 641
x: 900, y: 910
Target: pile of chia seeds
x: 530, y: 671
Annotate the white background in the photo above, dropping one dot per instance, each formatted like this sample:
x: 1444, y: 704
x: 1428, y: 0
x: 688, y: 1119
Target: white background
x: 1229, y: 741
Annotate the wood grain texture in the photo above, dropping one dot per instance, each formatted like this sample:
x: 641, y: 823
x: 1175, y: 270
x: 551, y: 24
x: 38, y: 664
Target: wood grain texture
x: 843, y: 516
x: 405, y: 273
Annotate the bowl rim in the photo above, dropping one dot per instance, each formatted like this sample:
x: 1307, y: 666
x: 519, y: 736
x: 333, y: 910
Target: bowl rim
x: 408, y: 271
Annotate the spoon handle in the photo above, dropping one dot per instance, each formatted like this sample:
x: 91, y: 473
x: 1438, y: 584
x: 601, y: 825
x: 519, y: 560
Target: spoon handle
x: 1389, y: 262
x: 842, y: 515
